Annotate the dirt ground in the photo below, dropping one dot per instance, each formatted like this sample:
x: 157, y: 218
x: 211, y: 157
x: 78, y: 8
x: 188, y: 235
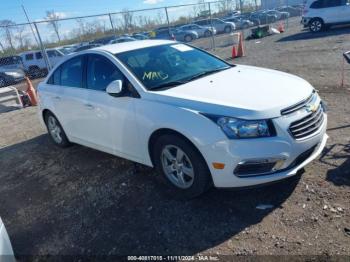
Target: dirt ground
x: 79, y: 201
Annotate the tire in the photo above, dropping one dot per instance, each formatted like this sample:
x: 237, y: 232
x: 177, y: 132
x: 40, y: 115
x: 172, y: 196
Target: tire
x: 55, y: 130
x: 207, y: 33
x: 245, y: 26
x: 181, y: 184
x: 188, y: 38
x: 228, y: 29
x: 2, y: 81
x: 316, y: 25
x: 34, y: 71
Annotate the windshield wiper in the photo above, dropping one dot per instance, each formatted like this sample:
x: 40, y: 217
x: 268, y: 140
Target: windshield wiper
x: 168, y: 84
x: 205, y: 73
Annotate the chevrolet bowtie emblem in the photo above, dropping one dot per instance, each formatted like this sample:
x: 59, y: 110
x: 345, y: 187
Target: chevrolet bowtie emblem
x: 311, y: 108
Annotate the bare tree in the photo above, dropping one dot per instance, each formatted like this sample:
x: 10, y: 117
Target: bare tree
x: 199, y: 8
x: 52, y: 17
x: 8, y: 33
x: 21, y: 36
x: 127, y: 19
x: 225, y: 6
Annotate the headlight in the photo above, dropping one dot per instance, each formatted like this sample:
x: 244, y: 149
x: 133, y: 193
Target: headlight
x: 239, y: 129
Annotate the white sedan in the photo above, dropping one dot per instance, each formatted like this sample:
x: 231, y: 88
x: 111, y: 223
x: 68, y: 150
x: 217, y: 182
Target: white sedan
x: 197, y: 119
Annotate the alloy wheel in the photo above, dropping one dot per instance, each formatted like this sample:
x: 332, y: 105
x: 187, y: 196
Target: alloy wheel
x: 54, y: 129
x: 177, y: 166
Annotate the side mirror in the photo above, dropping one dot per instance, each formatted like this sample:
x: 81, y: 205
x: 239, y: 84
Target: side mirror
x: 115, y: 88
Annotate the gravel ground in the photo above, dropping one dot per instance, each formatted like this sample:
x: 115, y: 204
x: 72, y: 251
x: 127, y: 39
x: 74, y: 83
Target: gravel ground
x: 79, y: 201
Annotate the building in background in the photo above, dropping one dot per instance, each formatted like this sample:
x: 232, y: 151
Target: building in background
x: 270, y: 4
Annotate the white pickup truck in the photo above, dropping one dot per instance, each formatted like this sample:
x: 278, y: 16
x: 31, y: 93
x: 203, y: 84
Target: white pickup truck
x: 34, y: 62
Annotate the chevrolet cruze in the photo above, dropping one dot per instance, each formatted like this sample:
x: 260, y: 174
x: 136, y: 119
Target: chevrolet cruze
x: 197, y: 119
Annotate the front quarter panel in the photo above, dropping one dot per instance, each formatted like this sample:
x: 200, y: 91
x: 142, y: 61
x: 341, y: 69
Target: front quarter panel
x: 152, y: 116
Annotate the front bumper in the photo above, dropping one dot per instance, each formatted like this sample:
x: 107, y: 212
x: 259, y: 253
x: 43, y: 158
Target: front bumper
x: 305, y: 21
x: 283, y: 146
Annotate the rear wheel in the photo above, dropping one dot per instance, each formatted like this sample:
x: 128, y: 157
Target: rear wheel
x: 181, y: 166
x: 55, y: 130
x: 188, y: 38
x: 316, y: 25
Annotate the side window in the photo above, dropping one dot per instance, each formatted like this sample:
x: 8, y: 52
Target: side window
x: 51, y: 53
x: 72, y: 72
x: 38, y: 55
x: 101, y: 72
x: 55, y: 78
x: 333, y: 3
x: 29, y: 57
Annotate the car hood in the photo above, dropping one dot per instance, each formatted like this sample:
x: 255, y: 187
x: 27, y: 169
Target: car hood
x: 242, y: 91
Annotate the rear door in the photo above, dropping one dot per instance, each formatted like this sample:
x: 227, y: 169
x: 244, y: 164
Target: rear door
x: 71, y: 102
x: 332, y: 11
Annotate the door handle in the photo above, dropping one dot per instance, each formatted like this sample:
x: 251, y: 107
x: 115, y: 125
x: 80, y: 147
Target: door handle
x: 57, y: 97
x: 89, y: 106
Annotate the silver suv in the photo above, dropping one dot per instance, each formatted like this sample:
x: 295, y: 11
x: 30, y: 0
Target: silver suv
x: 318, y: 14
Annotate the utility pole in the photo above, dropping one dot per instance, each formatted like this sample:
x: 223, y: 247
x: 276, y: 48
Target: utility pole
x: 30, y: 24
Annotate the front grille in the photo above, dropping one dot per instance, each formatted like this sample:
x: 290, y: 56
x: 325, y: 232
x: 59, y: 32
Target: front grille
x: 299, y: 105
x: 307, y: 125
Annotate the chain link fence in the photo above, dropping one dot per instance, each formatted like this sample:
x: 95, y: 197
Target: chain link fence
x: 34, y: 48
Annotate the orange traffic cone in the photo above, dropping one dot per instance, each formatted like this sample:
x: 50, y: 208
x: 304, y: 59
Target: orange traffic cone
x: 31, y: 92
x: 240, y: 51
x: 281, y: 27
x: 234, y: 52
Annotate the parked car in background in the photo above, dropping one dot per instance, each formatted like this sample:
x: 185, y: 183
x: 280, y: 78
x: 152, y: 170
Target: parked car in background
x: 234, y: 13
x: 34, y: 62
x: 175, y: 34
x: 122, y: 40
x: 68, y: 49
x: 197, y: 119
x: 139, y: 36
x: 85, y: 47
x: 11, y: 62
x: 220, y: 25
x: 202, y: 31
x: 318, y: 14
x: 279, y: 15
x: 248, y: 16
x: 293, y: 11
x: 103, y: 40
x: 264, y: 17
x: 240, y: 23
x: 10, y: 76
x: 6, y: 251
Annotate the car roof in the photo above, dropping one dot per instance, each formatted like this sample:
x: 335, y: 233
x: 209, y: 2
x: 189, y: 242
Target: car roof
x: 134, y: 45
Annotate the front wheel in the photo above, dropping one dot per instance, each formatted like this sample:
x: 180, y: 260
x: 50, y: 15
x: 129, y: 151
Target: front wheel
x: 181, y: 166
x: 55, y: 130
x: 207, y: 33
x: 316, y: 25
x: 228, y: 29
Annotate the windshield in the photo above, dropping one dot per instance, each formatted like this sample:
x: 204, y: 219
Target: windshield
x: 166, y: 66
